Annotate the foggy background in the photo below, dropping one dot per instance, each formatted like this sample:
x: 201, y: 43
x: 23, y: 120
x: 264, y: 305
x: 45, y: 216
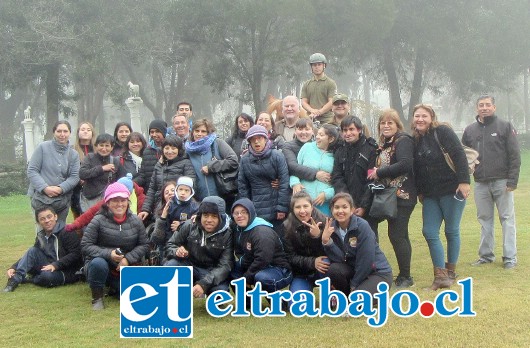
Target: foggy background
x: 73, y: 59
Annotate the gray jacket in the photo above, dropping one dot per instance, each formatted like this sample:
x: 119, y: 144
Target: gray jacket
x: 53, y: 164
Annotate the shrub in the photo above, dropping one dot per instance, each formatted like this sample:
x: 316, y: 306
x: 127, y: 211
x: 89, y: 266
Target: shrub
x: 13, y: 179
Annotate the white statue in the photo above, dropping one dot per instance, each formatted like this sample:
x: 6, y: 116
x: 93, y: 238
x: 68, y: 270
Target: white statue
x: 27, y: 113
x: 134, y: 90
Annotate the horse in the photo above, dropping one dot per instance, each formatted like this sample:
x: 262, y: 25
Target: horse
x: 274, y: 108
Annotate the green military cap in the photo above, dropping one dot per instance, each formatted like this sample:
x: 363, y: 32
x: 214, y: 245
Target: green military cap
x: 341, y: 96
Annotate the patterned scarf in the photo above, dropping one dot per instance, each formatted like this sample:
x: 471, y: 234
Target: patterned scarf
x: 201, y: 146
x: 385, y: 156
x: 265, y: 150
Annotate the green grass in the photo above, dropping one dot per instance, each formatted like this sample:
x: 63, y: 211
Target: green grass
x: 62, y: 317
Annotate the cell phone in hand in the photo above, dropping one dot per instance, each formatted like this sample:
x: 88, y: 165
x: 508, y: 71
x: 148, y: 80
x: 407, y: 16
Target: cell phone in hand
x: 459, y: 196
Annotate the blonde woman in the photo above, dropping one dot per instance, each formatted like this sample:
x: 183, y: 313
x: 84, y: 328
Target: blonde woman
x: 441, y: 190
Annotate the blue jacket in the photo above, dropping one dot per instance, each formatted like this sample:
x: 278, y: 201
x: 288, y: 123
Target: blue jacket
x: 254, y: 183
x: 358, y: 249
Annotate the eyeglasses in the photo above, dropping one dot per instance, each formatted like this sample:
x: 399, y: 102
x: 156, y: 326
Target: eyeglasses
x: 240, y: 213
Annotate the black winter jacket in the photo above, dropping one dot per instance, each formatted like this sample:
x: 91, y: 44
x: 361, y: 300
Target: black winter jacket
x: 149, y: 159
x: 212, y: 251
x: 499, y: 154
x: 290, y: 150
x: 434, y: 177
x: 302, y: 249
x: 236, y: 141
x: 103, y: 235
x: 128, y: 165
x: 350, y: 169
x: 181, y: 212
x: 162, y: 173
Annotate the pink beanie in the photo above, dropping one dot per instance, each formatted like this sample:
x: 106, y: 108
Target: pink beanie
x: 116, y: 190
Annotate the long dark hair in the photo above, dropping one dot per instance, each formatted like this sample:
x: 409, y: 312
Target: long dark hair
x: 134, y: 136
x: 118, y: 125
x: 247, y: 117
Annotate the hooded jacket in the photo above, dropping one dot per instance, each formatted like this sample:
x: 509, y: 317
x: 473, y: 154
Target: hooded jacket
x: 257, y: 246
x: 212, y: 251
x: 254, y: 182
x: 359, y: 250
x: 66, y: 255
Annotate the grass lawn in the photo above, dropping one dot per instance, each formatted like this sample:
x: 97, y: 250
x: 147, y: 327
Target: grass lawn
x: 62, y: 317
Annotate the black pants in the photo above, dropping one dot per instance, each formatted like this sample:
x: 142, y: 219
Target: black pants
x: 340, y: 275
x: 398, y: 233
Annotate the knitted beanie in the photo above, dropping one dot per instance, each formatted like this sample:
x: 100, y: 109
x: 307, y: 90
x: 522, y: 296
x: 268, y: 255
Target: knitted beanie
x: 116, y: 190
x: 257, y: 130
x: 161, y: 125
x: 127, y: 181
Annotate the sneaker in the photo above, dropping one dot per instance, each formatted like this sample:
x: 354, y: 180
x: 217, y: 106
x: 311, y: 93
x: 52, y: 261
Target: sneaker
x: 509, y: 265
x: 11, y: 285
x: 403, y: 282
x: 480, y: 262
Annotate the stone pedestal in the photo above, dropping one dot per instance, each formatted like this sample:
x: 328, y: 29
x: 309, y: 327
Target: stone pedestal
x: 134, y: 104
x: 29, y: 139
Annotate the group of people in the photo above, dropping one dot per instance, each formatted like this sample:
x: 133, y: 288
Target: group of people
x: 283, y: 201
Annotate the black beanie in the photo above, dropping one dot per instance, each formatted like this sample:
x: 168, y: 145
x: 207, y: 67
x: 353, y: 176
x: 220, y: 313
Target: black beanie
x: 161, y: 125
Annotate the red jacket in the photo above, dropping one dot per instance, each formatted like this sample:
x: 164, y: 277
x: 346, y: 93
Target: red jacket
x: 85, y: 218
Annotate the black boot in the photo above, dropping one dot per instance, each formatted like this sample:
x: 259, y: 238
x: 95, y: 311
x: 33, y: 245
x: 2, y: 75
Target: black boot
x: 97, y: 299
x: 11, y: 285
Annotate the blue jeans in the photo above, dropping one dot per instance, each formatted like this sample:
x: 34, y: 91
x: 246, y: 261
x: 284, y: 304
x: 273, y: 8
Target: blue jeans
x: 31, y: 263
x: 307, y: 283
x: 487, y: 195
x: 450, y: 210
x: 99, y: 274
x: 271, y: 278
x: 198, y: 274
